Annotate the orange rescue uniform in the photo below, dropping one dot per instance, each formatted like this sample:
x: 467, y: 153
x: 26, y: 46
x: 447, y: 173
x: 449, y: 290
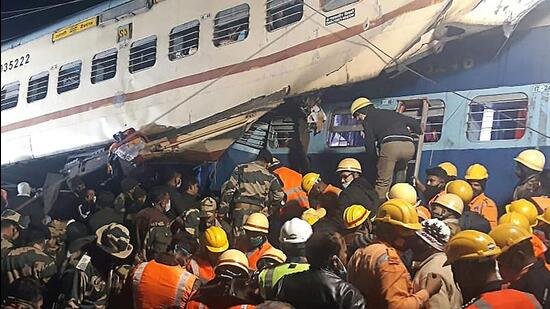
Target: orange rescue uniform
x: 329, y: 198
x: 506, y: 299
x: 378, y: 272
x: 542, y: 202
x: 486, y: 207
x: 254, y: 256
x: 157, y: 285
x: 292, y: 185
x: 201, y: 268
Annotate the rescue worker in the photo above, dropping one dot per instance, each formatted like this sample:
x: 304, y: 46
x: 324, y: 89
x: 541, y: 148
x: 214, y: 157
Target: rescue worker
x: 30, y: 260
x: 230, y: 288
x: 312, y: 216
x: 539, y: 248
x: 544, y: 227
x: 468, y: 220
x: 472, y: 256
x: 126, y: 198
x: 172, y: 183
x: 518, y: 264
x: 461, y: 189
x: 209, y: 211
x: 429, y: 258
x: 529, y: 168
x: 326, y: 196
x: 271, y: 258
x: 251, y: 188
x: 406, y: 192
x: 451, y: 173
x: 357, y: 189
x: 89, y: 275
x: 12, y: 224
x: 212, y: 244
x: 33, y: 207
x: 24, y: 293
x: 162, y: 282
x: 296, y: 198
x: 377, y: 270
x: 151, y: 217
x: 324, y: 284
x: 254, y: 241
x: 448, y: 208
x: 436, y: 181
x: 477, y: 176
x: 391, y: 132
x: 293, y: 238
x: 526, y: 208
x: 358, y: 228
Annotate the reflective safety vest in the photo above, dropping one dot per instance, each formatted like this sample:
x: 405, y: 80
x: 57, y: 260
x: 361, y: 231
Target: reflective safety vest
x: 156, y: 285
x: 255, y: 255
x: 198, y: 305
x: 292, y: 185
x: 542, y: 202
x: 506, y: 299
x: 269, y: 277
x: 201, y: 268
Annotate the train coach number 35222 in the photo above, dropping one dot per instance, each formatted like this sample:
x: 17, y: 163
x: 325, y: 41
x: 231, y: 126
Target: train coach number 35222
x: 14, y: 64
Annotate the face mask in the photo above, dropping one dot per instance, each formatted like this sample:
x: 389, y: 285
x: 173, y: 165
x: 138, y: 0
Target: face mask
x: 339, y: 268
x: 256, y: 241
x: 178, y: 183
x: 345, y: 185
x: 431, y: 191
x: 168, y: 206
x: 94, y: 199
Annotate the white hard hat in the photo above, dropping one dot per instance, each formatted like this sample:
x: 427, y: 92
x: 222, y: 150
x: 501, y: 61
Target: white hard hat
x: 435, y: 233
x: 23, y: 188
x: 295, y: 231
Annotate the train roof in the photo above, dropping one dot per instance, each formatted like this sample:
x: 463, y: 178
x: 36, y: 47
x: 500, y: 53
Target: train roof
x: 69, y: 20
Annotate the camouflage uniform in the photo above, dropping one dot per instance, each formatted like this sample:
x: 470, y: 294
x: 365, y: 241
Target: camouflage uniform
x: 7, y: 245
x: 29, y: 261
x: 251, y: 188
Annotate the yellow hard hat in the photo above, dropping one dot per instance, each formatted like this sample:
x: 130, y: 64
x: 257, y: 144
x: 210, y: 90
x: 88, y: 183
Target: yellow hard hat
x: 516, y: 219
x: 403, y: 191
x: 309, y: 180
x: 451, y: 201
x: 462, y: 189
x: 349, y: 165
x: 532, y: 158
x: 257, y: 222
x: 312, y: 215
x: 471, y: 245
x: 216, y: 239
x: 358, y: 104
x: 449, y: 168
x: 233, y: 257
x: 476, y: 172
x: 398, y: 212
x: 274, y: 254
x: 355, y: 215
x: 508, y: 235
x: 545, y: 217
x: 526, y: 208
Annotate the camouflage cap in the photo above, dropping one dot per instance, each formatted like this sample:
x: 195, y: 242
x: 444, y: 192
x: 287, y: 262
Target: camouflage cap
x: 192, y: 220
x: 208, y: 204
x: 114, y: 239
x: 15, y: 217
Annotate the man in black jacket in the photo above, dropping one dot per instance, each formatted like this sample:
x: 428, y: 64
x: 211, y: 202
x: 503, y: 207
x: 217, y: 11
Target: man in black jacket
x: 357, y: 190
x: 391, y: 132
x: 323, y: 285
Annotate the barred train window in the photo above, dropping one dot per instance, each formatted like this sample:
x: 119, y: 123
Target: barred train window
x: 434, y: 122
x: 69, y: 76
x: 143, y: 54
x: 329, y: 5
x: 497, y: 117
x: 344, y: 131
x: 281, y: 132
x: 9, y: 95
x: 104, y: 65
x: 231, y: 25
x: 38, y: 87
x: 184, y: 40
x: 281, y: 13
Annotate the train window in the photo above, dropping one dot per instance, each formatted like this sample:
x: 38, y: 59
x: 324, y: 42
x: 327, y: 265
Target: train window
x: 344, y: 131
x: 497, y: 117
x: 184, y: 40
x: 38, y: 87
x: 9, y: 96
x: 434, y: 121
x: 281, y: 132
x: 69, y: 76
x: 231, y: 25
x: 104, y: 65
x: 329, y: 5
x: 143, y: 54
x: 281, y: 13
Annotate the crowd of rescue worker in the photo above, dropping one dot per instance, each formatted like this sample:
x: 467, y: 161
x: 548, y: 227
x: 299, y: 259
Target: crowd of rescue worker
x: 275, y: 238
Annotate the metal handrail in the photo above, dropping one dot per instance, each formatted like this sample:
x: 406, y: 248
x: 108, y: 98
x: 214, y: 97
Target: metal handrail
x: 144, y: 50
x: 105, y: 68
x: 272, y: 11
x: 136, y: 56
x: 501, y: 110
x: 180, y: 34
x: 284, y: 17
x: 498, y: 130
x: 37, y: 88
x: 104, y: 60
x: 231, y: 27
x: 497, y: 120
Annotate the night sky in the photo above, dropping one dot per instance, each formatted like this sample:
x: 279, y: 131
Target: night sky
x: 14, y: 26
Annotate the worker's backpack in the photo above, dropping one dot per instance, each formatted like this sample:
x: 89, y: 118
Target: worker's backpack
x: 157, y: 239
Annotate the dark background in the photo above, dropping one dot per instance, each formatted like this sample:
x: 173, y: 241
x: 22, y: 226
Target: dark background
x: 20, y: 17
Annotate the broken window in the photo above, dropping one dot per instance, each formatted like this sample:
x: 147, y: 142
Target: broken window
x: 344, y: 131
x: 329, y: 5
x: 10, y: 95
x: 143, y: 54
x: 184, y: 40
x: 281, y: 13
x: 69, y: 76
x: 231, y: 25
x: 497, y: 117
x: 104, y: 65
x: 434, y: 121
x: 282, y: 130
x: 38, y: 87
